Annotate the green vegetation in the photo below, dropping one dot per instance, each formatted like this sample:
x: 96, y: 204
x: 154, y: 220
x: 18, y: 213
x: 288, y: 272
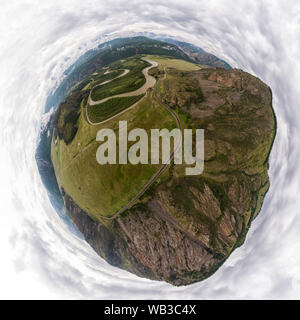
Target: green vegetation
x: 101, y: 76
x: 177, y: 64
x: 111, y: 107
x: 156, y: 73
x: 196, y: 95
x: 109, y: 52
x: 130, y: 82
x: 181, y: 90
x: 103, y: 190
x: 66, y: 118
x: 238, y: 138
x: 105, y: 75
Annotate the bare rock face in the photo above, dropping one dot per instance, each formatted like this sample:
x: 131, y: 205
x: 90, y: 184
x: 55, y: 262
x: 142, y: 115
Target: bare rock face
x: 186, y: 228
x: 148, y: 242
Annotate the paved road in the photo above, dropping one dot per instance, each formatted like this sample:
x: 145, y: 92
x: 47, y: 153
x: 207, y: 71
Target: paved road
x: 150, y: 82
x: 125, y: 71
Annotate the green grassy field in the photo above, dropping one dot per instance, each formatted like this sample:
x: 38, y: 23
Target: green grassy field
x: 178, y: 64
x: 104, y: 189
x: 130, y: 82
x: 102, y: 76
x: 109, y: 108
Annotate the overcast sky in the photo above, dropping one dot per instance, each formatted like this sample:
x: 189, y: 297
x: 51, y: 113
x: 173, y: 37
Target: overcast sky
x: 40, y: 258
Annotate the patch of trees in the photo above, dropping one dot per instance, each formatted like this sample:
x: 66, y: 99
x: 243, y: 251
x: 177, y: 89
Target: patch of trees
x: 66, y: 117
x: 196, y: 95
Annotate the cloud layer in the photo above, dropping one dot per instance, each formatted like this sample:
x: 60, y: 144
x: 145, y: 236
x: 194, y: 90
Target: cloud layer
x: 40, y: 258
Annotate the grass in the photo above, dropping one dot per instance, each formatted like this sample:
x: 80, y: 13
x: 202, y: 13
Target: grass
x: 100, y: 77
x: 130, y: 82
x: 103, y: 76
x: 178, y: 64
x: 104, y: 189
x: 111, y: 107
x: 66, y: 118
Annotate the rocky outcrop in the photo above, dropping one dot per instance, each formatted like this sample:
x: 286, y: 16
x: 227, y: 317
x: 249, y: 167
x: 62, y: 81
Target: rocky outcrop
x: 149, y: 242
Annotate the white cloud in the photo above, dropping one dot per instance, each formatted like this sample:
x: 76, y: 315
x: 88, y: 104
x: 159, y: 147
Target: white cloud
x: 39, y: 256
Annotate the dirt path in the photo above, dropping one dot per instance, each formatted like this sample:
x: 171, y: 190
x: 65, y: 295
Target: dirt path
x: 150, y: 82
x: 108, y: 81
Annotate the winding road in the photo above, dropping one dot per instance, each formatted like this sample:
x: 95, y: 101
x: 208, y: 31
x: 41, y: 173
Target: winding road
x: 146, y: 86
x: 108, y: 81
x: 150, y: 82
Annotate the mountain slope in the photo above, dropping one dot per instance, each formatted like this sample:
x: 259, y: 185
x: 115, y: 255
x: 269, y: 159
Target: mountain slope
x: 199, y: 55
